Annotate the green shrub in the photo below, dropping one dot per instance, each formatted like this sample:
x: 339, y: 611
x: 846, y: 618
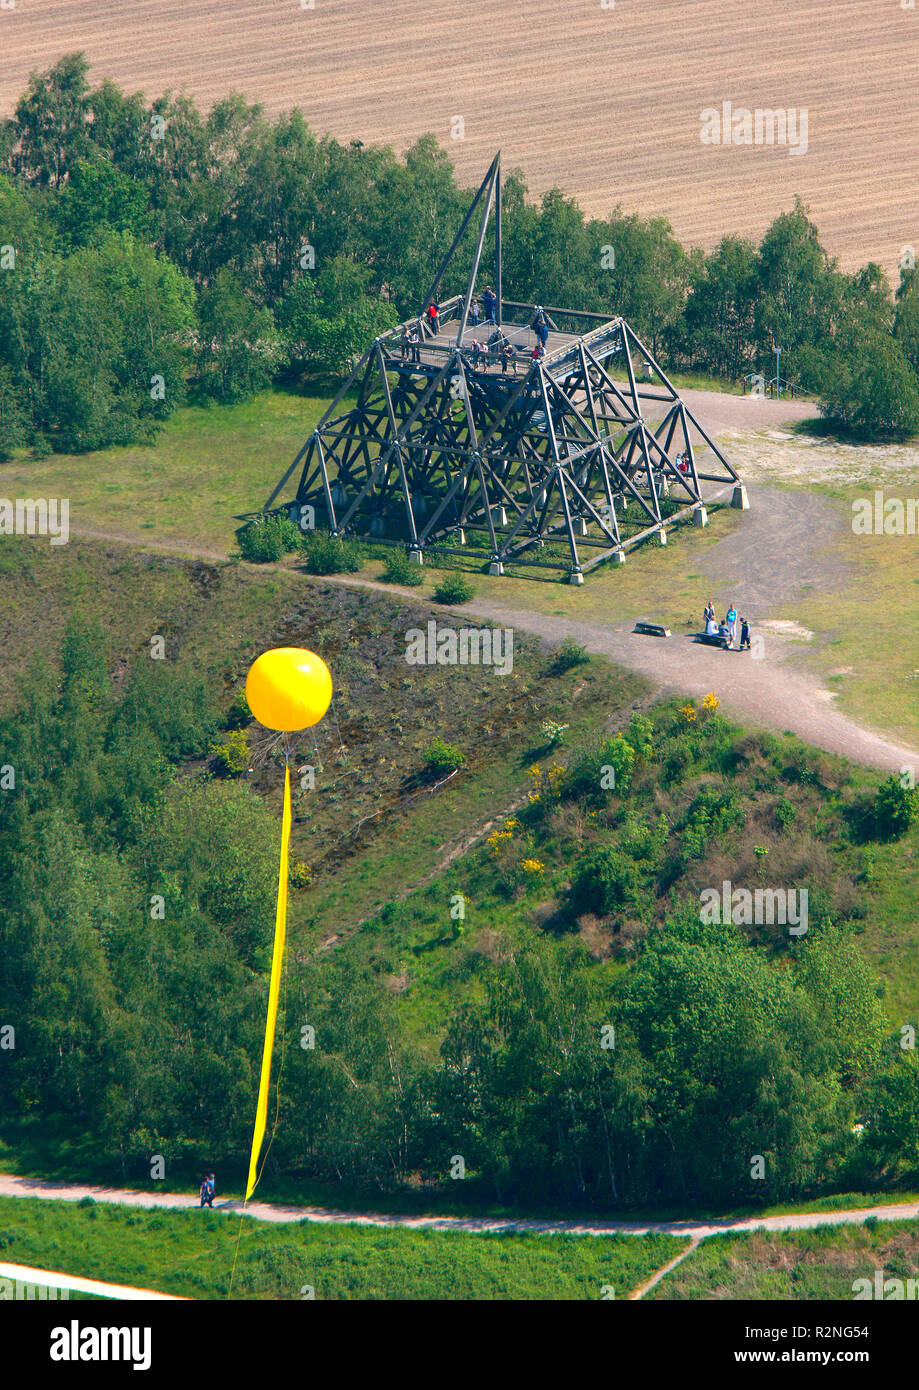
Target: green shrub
x: 872, y: 388
x: 398, y: 569
x: 442, y: 757
x: 268, y: 538
x: 643, y: 839
x: 300, y: 874
x: 607, y: 881
x: 453, y: 588
x: 239, y: 715
x: 600, y: 769
x: 694, y: 746
x: 639, y: 736
x: 232, y: 756
x: 328, y: 555
x: 569, y: 654
x: 712, y: 812
x: 786, y: 813
x: 896, y: 808
x: 677, y: 756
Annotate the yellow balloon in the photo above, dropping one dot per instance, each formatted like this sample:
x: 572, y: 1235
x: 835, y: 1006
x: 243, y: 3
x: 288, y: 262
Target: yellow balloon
x: 288, y: 688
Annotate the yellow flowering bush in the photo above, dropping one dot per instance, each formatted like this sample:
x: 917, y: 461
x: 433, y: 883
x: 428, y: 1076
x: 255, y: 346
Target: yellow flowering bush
x: 300, y: 874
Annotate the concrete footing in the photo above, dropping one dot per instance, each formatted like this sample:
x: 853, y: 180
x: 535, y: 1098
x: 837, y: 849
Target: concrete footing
x: 700, y: 517
x: 739, y: 498
x: 576, y: 577
x: 662, y: 537
x: 496, y: 567
x: 415, y: 557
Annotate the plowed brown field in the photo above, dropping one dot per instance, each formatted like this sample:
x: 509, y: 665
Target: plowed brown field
x: 605, y: 102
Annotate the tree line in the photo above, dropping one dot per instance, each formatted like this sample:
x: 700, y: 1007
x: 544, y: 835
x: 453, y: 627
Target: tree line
x: 151, y: 252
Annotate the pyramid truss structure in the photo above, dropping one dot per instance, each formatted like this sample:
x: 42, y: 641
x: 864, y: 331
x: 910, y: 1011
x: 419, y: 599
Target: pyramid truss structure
x: 566, y: 462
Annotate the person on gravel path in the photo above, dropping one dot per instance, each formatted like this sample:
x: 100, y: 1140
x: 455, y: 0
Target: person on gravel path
x: 730, y: 623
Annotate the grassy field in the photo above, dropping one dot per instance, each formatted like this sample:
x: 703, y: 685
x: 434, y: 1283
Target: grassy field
x: 206, y: 466
x: 795, y: 1265
x: 389, y: 73
x: 191, y: 1253
x: 868, y: 653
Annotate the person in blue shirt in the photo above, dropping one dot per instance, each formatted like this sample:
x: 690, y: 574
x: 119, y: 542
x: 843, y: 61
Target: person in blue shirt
x: 730, y: 623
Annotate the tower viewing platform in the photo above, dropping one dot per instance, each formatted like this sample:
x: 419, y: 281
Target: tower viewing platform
x: 543, y: 438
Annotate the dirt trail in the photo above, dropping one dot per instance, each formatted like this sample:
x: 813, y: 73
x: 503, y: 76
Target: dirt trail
x: 11, y: 1186
x: 664, y: 1270
x: 768, y: 692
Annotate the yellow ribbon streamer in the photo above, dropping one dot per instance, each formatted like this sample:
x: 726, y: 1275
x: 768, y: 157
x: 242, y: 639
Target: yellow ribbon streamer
x: 277, y: 965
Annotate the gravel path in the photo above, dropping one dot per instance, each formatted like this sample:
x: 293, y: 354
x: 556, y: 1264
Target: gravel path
x: 11, y: 1186
x: 765, y: 692
x: 787, y: 543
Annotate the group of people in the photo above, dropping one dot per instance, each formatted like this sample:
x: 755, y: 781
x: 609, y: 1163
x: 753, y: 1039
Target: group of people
x: 498, y: 349
x: 488, y: 307
x: 732, y: 629
x: 207, y: 1190
x: 411, y: 344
